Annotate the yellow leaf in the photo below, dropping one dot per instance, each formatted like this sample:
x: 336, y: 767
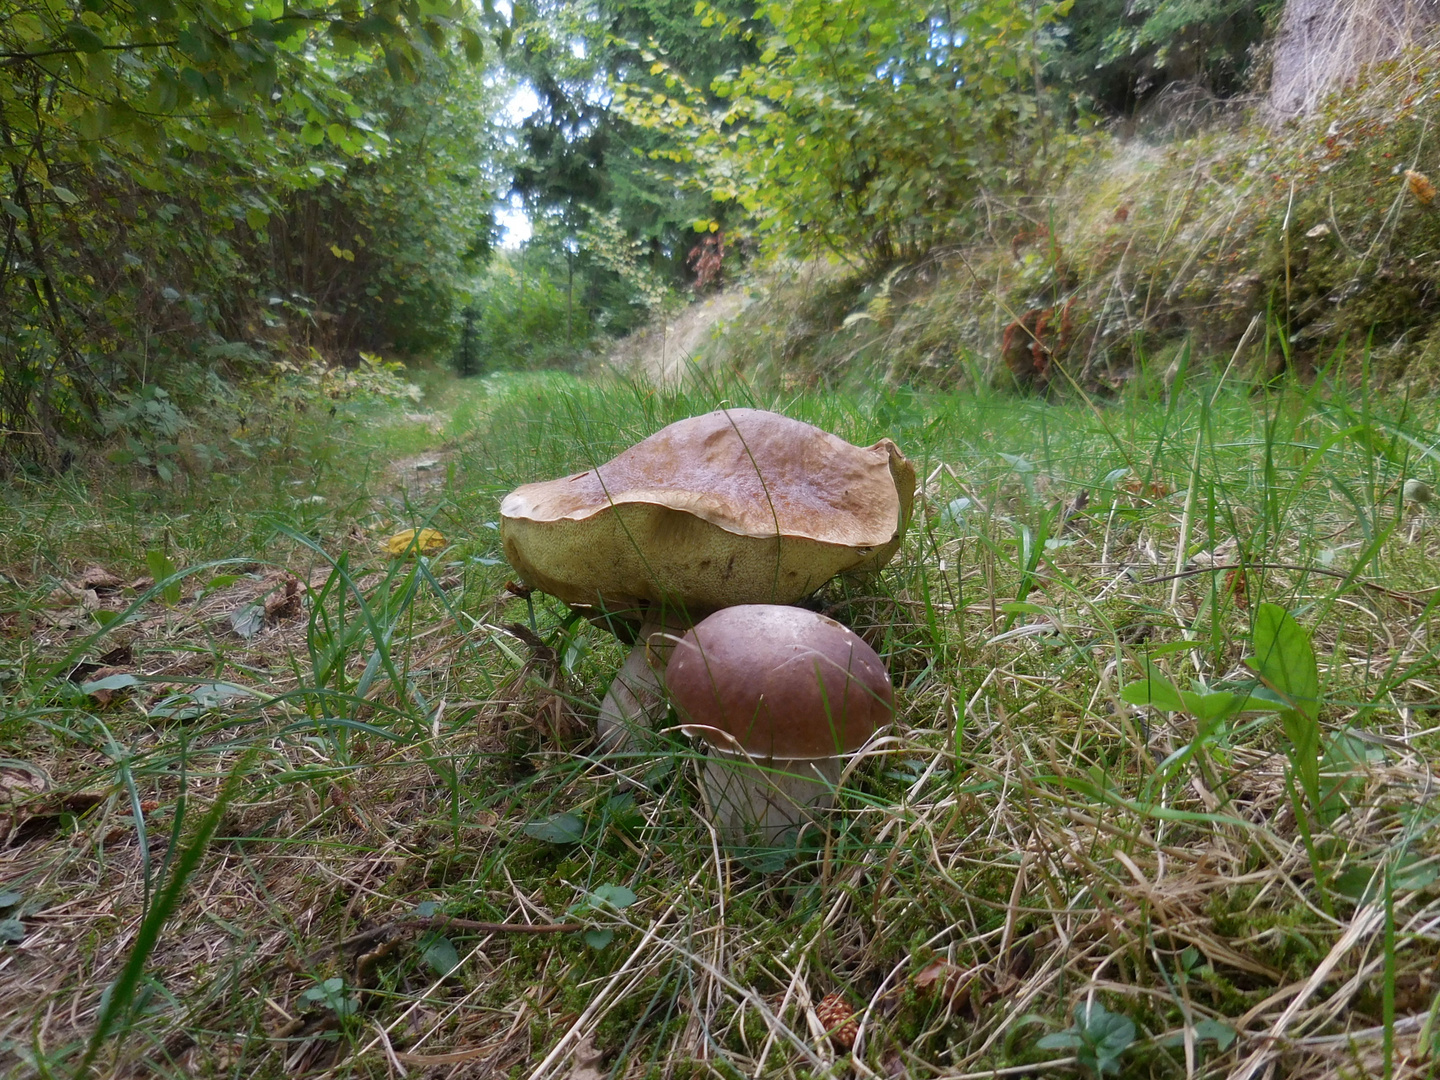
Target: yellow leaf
x: 426, y: 541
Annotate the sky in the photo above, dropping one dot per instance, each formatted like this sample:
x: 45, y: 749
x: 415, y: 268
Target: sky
x: 512, y: 218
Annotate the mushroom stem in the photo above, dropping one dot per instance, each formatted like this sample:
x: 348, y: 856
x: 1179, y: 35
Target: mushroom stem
x: 636, y: 698
x: 756, y: 801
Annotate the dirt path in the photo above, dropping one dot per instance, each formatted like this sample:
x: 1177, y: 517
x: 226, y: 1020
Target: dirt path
x: 663, y: 351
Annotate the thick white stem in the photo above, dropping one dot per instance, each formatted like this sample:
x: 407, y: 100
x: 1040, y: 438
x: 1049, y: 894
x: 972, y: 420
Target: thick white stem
x: 754, y: 801
x: 636, y: 698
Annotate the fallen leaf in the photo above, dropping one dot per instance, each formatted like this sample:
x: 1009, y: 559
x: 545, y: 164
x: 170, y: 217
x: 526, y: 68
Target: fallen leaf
x: 426, y: 541
x: 67, y: 595
x: 122, y: 653
x: 20, y: 783
x: 107, y: 684
x: 937, y: 971
x: 1222, y: 552
x: 99, y: 579
x: 1156, y: 489
x: 247, y: 620
x: 587, y: 1062
x: 284, y: 603
x: 1235, y: 584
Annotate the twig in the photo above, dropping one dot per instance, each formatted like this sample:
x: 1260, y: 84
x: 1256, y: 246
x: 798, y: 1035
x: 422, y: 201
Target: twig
x: 447, y: 922
x: 1412, y: 597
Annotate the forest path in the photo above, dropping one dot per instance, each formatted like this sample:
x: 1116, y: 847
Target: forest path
x: 663, y: 351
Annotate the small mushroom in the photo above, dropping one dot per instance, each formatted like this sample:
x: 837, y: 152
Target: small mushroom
x: 738, y: 506
x: 782, y: 696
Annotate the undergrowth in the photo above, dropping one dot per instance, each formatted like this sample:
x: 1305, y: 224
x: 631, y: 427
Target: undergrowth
x: 1324, y: 229
x: 276, y: 801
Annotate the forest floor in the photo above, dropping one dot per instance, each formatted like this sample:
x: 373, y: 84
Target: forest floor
x: 276, y: 801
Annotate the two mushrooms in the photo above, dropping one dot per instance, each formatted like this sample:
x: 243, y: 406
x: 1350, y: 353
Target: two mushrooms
x: 693, y: 544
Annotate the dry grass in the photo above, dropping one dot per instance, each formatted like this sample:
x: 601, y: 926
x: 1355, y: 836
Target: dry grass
x: 1321, y: 228
x: 1023, y: 842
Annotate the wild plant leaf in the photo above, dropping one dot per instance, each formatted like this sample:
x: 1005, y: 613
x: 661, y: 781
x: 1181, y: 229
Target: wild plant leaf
x: 1155, y: 690
x: 557, y: 829
x: 1060, y: 1040
x: 1303, y: 735
x: 1106, y: 1035
x: 1097, y: 1036
x: 1213, y: 707
x: 1355, y: 883
x: 331, y: 993
x: 1216, y: 1031
x: 161, y: 568
x: 615, y: 896
x: 598, y: 939
x: 440, y: 954
x: 121, y: 681
x: 1207, y: 1030
x: 11, y: 930
x: 9, y: 898
x: 1285, y: 661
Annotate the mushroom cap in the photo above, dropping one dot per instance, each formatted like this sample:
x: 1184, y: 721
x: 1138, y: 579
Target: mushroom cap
x: 736, y: 506
x: 784, y: 682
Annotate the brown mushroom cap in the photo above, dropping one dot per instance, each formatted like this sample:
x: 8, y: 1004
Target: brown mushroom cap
x: 736, y: 506
x: 782, y: 681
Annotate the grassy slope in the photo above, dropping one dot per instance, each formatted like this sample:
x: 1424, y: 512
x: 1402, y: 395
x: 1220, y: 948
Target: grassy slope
x: 1025, y: 843
x: 1325, y: 229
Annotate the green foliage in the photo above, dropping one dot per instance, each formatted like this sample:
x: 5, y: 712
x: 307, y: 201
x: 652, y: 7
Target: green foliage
x: 167, y: 197
x: 1098, y: 1037
x: 582, y: 154
x: 332, y: 994
x: 1285, y: 661
x: 864, y: 128
x: 1119, y: 54
x: 382, y: 255
x: 525, y: 313
x: 123, y: 998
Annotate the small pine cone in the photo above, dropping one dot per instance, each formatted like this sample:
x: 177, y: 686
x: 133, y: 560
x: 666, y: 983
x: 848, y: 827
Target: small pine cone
x: 838, y: 1019
x: 1420, y: 187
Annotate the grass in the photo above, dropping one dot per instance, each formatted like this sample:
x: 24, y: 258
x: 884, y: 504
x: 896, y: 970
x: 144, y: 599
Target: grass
x: 307, y: 851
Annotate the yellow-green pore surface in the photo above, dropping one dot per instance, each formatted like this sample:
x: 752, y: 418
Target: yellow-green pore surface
x: 739, y: 506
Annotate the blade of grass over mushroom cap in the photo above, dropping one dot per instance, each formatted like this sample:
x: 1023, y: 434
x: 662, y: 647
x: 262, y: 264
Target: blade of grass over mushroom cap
x: 700, y: 513
x: 734, y: 506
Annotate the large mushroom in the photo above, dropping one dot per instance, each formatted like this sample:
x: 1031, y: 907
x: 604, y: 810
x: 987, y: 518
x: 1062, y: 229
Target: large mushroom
x: 738, y: 506
x: 782, y: 696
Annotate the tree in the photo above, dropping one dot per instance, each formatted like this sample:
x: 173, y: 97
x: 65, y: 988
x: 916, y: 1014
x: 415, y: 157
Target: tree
x: 147, y: 145
x: 866, y: 128
x: 584, y: 158
x: 1119, y: 54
